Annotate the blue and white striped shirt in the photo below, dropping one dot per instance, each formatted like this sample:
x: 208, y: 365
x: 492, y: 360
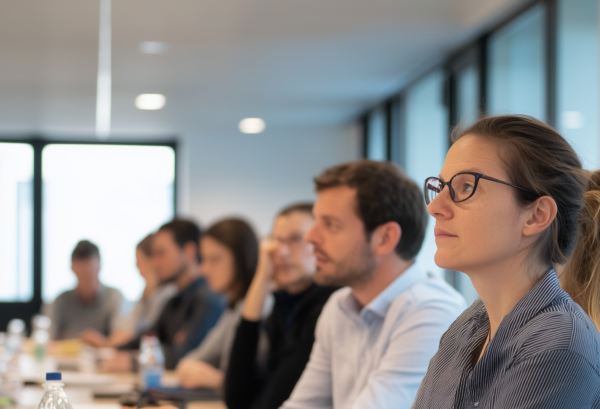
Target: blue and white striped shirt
x: 544, y: 355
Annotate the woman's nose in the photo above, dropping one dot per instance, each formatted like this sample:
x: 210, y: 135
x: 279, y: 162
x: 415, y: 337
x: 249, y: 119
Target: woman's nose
x: 440, y: 206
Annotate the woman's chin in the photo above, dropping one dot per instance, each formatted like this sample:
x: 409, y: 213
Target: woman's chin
x: 445, y: 261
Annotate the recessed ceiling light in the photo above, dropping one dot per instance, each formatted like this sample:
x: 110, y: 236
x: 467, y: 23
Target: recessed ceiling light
x: 150, y: 101
x: 252, y: 125
x: 153, y: 47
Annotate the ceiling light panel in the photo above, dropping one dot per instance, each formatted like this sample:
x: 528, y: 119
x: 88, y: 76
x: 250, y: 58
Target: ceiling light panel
x: 150, y: 101
x: 153, y: 47
x: 252, y: 125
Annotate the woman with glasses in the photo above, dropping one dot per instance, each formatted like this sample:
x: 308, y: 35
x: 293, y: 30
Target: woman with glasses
x: 508, y: 204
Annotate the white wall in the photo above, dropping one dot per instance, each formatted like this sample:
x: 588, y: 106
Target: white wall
x: 254, y: 176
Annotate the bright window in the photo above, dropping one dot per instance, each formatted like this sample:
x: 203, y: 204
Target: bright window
x: 16, y: 222
x: 578, y: 85
x: 426, y: 145
x: 377, y: 141
x: 517, y: 61
x: 467, y: 101
x: 111, y: 195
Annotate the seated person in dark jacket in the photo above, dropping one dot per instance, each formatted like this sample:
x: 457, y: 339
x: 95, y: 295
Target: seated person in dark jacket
x: 194, y: 310
x: 287, y: 261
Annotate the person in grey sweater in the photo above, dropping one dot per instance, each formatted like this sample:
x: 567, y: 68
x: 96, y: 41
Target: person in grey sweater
x: 229, y: 251
x: 91, y: 306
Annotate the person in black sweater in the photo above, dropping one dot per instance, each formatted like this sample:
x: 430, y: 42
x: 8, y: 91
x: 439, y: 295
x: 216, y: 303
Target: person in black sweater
x: 287, y: 261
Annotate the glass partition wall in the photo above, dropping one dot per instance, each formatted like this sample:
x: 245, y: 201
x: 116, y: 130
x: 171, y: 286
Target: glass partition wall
x: 543, y: 61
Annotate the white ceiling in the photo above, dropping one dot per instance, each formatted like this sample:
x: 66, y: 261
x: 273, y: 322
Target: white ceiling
x: 293, y: 63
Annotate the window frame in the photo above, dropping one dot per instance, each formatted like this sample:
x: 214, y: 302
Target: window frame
x: 25, y: 310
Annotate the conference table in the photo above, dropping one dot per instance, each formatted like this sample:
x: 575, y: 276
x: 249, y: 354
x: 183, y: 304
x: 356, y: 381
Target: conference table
x: 87, y: 389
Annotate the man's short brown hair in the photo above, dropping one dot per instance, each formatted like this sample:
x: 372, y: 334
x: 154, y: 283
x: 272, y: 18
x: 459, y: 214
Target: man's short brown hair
x: 85, y: 250
x: 184, y: 231
x: 301, y: 207
x: 383, y: 194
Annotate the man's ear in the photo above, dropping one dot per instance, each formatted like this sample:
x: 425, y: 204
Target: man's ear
x: 385, y: 238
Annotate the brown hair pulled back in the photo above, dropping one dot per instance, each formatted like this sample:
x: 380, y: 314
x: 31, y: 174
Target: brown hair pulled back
x: 538, y: 158
x: 581, y: 275
x: 240, y: 239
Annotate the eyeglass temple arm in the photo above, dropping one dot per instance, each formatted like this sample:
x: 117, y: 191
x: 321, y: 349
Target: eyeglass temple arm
x: 506, y: 183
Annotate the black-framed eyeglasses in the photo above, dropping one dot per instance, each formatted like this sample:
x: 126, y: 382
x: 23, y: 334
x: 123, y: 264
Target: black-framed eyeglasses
x: 462, y: 186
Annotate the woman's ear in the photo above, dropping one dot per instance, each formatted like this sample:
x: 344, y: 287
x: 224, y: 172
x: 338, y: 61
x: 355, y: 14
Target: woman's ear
x: 385, y: 238
x: 540, y: 215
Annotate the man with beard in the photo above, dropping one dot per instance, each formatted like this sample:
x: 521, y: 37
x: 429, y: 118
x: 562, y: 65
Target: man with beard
x: 194, y: 310
x: 262, y: 374
x: 374, y: 339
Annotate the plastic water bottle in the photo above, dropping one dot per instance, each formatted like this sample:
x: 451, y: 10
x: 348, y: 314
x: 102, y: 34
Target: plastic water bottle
x: 7, y: 399
x: 16, y: 336
x: 10, y: 371
x: 40, y: 322
x: 41, y: 336
x: 151, y: 362
x: 54, y: 397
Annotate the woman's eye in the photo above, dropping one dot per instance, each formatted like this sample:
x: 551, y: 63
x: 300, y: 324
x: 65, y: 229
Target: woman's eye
x: 467, y: 188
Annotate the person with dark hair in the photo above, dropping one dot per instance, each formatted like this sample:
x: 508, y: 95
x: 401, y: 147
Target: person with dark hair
x: 287, y: 263
x: 512, y: 203
x: 146, y: 310
x: 375, y: 338
x: 194, y: 310
x: 91, y: 306
x: 155, y: 296
x: 229, y: 251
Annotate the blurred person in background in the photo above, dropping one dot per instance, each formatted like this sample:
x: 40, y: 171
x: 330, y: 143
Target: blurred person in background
x: 288, y: 262
x: 229, y: 251
x: 90, y: 306
x: 146, y: 310
x: 193, y: 311
x: 375, y: 337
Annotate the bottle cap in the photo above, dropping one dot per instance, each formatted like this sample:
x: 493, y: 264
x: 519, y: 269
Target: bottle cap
x: 53, y: 376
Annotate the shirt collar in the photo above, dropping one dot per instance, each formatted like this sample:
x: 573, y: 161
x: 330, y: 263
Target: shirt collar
x: 381, y: 304
x: 546, y: 291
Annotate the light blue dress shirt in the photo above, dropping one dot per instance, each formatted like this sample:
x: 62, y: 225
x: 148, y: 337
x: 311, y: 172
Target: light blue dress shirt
x: 376, y: 357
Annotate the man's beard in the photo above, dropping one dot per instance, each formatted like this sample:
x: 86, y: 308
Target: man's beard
x: 354, y: 270
x: 177, y: 275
